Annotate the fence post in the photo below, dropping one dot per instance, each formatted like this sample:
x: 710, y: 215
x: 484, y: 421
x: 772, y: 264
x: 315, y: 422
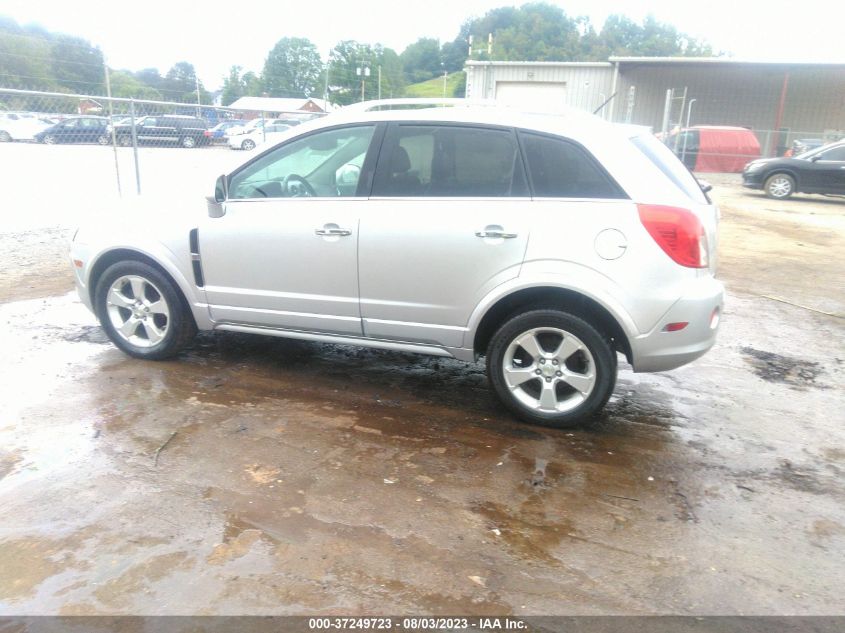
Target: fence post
x: 135, y: 146
x: 111, y: 125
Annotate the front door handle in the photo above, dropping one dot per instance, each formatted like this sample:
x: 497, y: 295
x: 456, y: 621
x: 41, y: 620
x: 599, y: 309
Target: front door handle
x: 332, y: 231
x: 497, y: 233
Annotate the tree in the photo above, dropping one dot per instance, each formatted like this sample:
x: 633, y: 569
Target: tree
x: 293, y: 68
x: 344, y: 61
x: 421, y: 60
x: 181, y: 84
x: 237, y: 85
x: 76, y: 65
x: 125, y: 84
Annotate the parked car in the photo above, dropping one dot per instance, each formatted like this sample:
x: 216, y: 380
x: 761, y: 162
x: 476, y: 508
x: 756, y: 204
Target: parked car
x: 77, y: 129
x: 217, y: 133
x: 252, y: 125
x: 257, y: 136
x: 547, y: 243
x: 18, y: 126
x: 821, y: 170
x: 170, y: 129
x: 803, y: 145
x: 715, y: 148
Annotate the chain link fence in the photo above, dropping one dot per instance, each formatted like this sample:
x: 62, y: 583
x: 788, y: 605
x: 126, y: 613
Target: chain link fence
x: 137, y: 131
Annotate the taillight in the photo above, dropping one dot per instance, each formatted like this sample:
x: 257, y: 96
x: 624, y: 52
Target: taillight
x: 678, y: 232
x: 206, y: 133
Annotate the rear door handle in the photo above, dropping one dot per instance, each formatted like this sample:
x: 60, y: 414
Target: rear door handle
x: 496, y: 233
x: 332, y: 232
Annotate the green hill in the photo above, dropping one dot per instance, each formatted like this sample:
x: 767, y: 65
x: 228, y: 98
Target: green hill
x: 455, y: 87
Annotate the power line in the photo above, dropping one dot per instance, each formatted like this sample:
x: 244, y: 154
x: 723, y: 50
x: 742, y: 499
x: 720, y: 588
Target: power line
x: 51, y: 60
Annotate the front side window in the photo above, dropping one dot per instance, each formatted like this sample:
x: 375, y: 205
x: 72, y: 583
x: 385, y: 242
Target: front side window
x: 835, y: 153
x: 450, y: 161
x: 323, y: 164
x: 561, y: 169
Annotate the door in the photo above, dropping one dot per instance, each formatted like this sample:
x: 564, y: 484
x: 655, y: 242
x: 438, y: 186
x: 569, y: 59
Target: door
x: 549, y: 95
x: 68, y: 131
x: 826, y: 172
x: 284, y: 254
x: 446, y: 224
x: 90, y: 130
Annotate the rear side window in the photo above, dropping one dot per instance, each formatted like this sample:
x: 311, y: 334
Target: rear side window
x: 562, y: 169
x: 450, y: 161
x: 670, y: 165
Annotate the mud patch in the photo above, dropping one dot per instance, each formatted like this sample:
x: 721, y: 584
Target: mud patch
x: 8, y: 462
x: 87, y: 334
x: 773, y: 367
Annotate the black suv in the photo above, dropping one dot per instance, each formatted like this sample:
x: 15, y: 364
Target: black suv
x: 169, y: 129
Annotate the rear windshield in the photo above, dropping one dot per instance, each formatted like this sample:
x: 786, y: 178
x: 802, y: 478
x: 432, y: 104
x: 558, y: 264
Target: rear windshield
x: 670, y: 165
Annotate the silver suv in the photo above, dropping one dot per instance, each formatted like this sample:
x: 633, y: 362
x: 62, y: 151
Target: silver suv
x: 546, y: 243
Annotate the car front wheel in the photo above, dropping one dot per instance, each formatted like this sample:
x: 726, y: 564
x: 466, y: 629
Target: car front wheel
x: 551, y: 367
x: 780, y: 186
x: 189, y: 141
x: 248, y: 145
x: 49, y: 139
x: 142, y: 311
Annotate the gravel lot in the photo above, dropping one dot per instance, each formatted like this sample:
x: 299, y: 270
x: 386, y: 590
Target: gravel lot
x: 285, y: 477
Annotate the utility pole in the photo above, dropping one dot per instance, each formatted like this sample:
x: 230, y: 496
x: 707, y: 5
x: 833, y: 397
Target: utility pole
x: 363, y: 72
x: 379, y: 82
x: 199, y: 102
x: 326, y: 89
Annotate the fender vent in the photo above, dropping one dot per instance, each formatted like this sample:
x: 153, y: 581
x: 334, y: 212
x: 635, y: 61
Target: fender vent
x: 194, y: 247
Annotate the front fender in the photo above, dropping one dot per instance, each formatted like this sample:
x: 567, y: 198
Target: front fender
x: 178, y: 268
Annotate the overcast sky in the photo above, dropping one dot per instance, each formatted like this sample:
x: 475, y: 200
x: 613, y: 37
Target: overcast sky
x: 213, y: 36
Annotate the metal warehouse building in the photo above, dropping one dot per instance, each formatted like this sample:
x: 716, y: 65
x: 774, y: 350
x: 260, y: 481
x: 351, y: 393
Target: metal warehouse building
x: 779, y: 101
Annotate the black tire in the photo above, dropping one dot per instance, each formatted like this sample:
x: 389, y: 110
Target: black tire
x: 779, y: 186
x: 104, y: 139
x: 124, y: 140
x: 5, y: 137
x: 248, y: 145
x: 179, y: 327
x: 50, y: 139
x: 593, y: 359
x: 188, y: 142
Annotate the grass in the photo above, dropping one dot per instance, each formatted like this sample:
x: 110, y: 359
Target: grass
x: 434, y: 87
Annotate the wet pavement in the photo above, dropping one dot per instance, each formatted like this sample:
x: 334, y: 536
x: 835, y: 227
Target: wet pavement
x: 266, y: 476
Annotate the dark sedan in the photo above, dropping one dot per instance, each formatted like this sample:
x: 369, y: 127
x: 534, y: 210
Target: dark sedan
x: 821, y: 170
x: 78, y: 129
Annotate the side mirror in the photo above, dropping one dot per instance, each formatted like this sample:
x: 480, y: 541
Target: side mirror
x: 815, y: 158
x: 706, y: 187
x: 216, y: 203
x: 347, y: 175
x: 220, y: 189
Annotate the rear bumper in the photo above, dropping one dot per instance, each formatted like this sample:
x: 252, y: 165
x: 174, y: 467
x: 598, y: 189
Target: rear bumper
x: 701, y: 309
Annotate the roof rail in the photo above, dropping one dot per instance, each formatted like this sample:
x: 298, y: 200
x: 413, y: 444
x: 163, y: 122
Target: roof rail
x: 396, y: 104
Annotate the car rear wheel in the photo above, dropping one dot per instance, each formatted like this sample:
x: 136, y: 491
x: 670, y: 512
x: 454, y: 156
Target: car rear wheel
x: 551, y: 367
x: 189, y: 141
x: 103, y: 139
x: 780, y: 186
x: 124, y: 140
x: 142, y: 311
x: 5, y: 137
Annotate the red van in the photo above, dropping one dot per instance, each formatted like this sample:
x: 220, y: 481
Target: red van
x: 715, y: 148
